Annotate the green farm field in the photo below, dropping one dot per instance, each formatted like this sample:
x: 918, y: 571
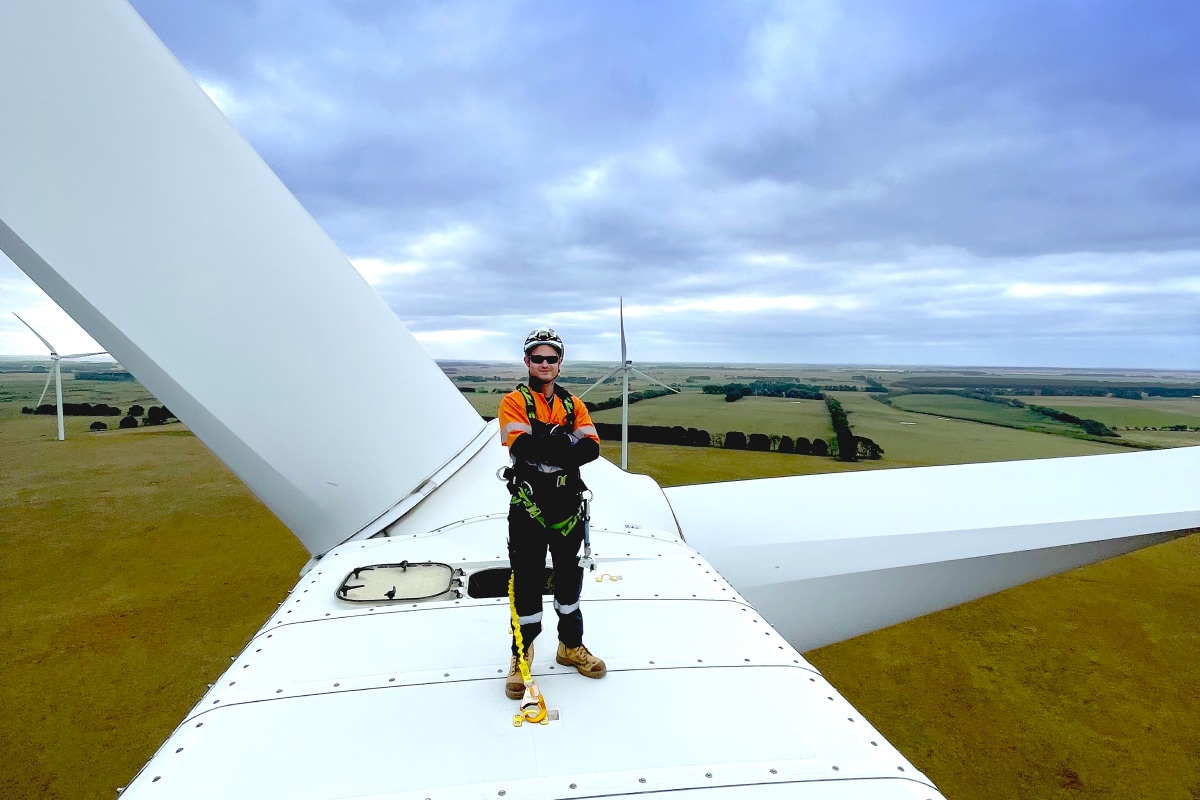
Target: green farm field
x: 946, y: 405
x: 680, y: 466
x: 23, y: 389
x: 913, y: 440
x: 908, y: 439
x: 710, y: 412
x: 1124, y: 415
x: 1154, y: 412
x: 133, y: 565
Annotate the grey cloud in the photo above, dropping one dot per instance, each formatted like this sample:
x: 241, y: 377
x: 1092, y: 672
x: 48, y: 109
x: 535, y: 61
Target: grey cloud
x: 920, y: 159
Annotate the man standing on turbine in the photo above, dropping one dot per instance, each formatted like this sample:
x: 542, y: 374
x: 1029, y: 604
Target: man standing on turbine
x: 549, y: 435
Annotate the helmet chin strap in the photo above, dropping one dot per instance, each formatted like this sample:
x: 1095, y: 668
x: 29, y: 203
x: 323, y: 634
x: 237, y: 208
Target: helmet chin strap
x: 537, y: 384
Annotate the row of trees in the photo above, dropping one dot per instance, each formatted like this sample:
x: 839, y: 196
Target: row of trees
x: 634, y: 397
x: 1011, y: 385
x: 696, y: 437
x: 75, y: 410
x: 765, y: 388
x: 1090, y: 426
x: 847, y: 446
x: 155, y: 415
x: 103, y: 376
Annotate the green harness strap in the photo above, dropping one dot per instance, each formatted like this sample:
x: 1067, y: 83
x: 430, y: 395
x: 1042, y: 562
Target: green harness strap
x: 521, y: 497
x: 531, y: 406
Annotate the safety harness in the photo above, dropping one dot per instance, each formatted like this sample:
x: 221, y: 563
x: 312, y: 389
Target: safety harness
x: 522, y: 489
x: 531, y: 407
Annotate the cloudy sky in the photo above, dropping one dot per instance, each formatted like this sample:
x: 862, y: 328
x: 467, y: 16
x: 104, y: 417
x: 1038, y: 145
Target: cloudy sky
x: 995, y: 183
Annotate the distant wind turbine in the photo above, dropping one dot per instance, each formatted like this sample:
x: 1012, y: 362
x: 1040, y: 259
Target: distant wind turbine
x: 625, y: 367
x: 56, y: 374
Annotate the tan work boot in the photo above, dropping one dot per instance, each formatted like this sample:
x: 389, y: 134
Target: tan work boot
x: 579, y: 658
x: 514, y: 687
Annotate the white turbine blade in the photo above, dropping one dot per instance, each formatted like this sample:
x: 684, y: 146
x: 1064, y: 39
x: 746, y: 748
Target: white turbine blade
x: 607, y: 375
x: 46, y: 388
x: 49, y: 346
x: 624, y: 355
x: 119, y: 171
x: 828, y: 557
x: 83, y: 355
x: 654, y: 380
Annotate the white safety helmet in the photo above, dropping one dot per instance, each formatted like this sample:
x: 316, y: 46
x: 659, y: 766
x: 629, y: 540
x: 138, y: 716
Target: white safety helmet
x: 540, y: 336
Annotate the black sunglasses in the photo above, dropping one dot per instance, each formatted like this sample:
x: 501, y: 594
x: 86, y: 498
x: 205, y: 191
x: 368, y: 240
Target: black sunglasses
x: 544, y: 359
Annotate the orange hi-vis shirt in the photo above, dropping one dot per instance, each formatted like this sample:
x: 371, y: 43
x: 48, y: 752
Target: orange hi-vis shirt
x: 514, y: 420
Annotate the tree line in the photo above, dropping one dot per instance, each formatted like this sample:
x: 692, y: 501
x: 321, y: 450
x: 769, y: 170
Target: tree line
x: 103, y: 376
x: 1010, y: 385
x: 634, y: 397
x: 765, y: 388
x: 731, y: 440
x: 847, y: 446
x: 1089, y: 426
x: 75, y: 410
x: 155, y: 415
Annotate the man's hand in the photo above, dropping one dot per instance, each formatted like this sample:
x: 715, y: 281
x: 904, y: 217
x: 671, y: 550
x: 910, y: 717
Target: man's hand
x: 559, y: 448
x: 554, y: 445
x: 548, y: 444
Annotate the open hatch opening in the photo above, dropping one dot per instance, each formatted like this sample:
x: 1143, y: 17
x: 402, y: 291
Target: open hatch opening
x: 493, y: 582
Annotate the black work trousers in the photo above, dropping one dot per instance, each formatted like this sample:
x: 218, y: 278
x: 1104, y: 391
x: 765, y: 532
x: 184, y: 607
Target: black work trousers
x: 527, y: 545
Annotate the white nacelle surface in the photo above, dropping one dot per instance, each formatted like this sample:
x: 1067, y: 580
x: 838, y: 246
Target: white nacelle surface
x: 406, y: 700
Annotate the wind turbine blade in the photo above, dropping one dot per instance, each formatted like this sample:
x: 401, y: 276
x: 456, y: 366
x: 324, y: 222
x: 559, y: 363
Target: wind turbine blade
x: 624, y: 356
x: 84, y: 355
x: 116, y: 164
x: 607, y: 375
x: 46, y: 388
x: 828, y: 557
x: 654, y: 380
x: 49, y: 346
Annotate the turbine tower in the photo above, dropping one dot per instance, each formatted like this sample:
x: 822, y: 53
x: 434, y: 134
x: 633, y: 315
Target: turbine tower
x: 56, y: 374
x: 625, y: 367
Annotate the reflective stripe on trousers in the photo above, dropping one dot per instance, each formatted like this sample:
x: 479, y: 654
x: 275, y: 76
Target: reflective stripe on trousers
x: 528, y: 543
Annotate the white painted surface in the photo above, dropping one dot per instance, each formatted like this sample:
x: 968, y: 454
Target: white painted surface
x: 406, y: 700
x: 894, y: 544
x: 130, y: 199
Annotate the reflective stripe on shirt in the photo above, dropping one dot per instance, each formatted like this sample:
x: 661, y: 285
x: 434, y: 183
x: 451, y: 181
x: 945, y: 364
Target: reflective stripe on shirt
x: 583, y: 432
x: 514, y: 427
